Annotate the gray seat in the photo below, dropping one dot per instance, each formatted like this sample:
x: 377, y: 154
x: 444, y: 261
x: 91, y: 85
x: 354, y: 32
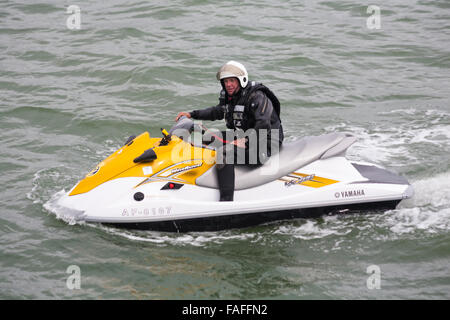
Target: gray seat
x: 292, y: 155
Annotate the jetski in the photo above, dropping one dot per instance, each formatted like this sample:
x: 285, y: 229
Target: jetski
x: 169, y: 183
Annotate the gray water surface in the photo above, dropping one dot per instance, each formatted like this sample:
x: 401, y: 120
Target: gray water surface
x: 71, y: 97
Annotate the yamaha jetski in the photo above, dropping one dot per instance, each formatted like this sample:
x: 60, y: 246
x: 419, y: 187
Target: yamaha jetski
x: 169, y: 183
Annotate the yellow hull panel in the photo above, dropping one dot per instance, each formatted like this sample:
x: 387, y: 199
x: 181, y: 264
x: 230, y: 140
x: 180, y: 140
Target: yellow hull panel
x: 178, y: 160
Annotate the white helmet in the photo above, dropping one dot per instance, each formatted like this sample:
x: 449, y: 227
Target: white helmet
x: 233, y: 69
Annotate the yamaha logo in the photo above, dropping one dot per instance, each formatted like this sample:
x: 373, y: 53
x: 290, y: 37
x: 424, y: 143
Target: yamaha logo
x: 350, y: 193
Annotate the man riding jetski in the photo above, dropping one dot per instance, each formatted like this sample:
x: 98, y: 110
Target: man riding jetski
x: 172, y: 182
x: 246, y: 107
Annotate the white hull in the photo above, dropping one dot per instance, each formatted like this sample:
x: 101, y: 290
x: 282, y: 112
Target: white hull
x: 113, y: 201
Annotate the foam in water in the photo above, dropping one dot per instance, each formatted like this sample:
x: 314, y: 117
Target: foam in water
x: 375, y: 146
x: 438, y: 135
x: 67, y: 215
x: 43, y: 177
x: 428, y: 210
x: 313, y: 229
x: 382, y: 145
x: 197, y: 239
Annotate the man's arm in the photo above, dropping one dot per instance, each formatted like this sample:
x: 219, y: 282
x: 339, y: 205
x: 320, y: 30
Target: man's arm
x: 262, y: 109
x: 211, y: 113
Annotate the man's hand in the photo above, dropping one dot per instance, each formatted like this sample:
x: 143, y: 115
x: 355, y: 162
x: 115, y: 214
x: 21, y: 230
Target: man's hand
x: 239, y: 142
x: 187, y: 114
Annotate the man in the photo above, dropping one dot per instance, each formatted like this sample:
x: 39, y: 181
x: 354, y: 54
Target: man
x: 244, y: 105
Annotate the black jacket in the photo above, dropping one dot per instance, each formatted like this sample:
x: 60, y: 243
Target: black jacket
x: 255, y: 107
